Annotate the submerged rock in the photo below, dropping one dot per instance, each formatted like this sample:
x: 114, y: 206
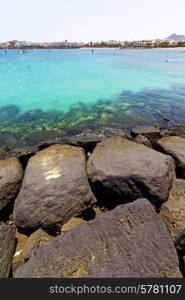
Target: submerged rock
x: 173, y: 211
x: 122, y: 170
x: 130, y: 241
x: 7, y: 245
x: 11, y: 175
x: 174, y: 146
x: 55, y: 188
x: 31, y: 115
x: 9, y: 111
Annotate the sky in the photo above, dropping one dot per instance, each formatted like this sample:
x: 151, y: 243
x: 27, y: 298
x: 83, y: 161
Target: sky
x: 90, y: 20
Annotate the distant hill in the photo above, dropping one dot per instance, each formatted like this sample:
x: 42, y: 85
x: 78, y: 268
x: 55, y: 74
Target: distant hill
x: 176, y: 37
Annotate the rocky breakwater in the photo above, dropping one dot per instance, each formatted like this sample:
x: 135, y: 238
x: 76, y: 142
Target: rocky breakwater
x: 113, y: 207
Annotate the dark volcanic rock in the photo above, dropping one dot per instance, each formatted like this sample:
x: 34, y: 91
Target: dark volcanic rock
x: 177, y: 130
x: 72, y: 223
x: 174, y: 146
x: 55, y: 188
x: 24, y: 251
x: 7, y: 245
x: 30, y: 115
x: 150, y: 132
x: 183, y: 266
x: 89, y: 139
x: 9, y: 111
x: 120, y: 169
x: 86, y: 141
x: 50, y: 142
x: 37, y: 239
x: 4, y: 152
x: 180, y: 243
x: 173, y: 211
x: 24, y: 154
x: 11, y: 175
x: 112, y: 132
x: 130, y: 241
x: 141, y: 139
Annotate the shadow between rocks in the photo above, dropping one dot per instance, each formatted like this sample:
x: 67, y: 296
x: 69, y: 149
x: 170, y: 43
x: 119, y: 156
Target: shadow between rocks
x: 6, y: 212
x: 181, y: 254
x: 107, y: 199
x: 53, y: 230
x: 88, y: 214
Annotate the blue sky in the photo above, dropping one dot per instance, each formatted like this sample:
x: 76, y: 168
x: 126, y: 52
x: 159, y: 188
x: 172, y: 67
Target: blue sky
x: 90, y: 20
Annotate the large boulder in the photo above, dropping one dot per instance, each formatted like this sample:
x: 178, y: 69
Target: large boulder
x: 123, y: 170
x: 11, y: 175
x: 174, y: 146
x: 173, y: 211
x: 130, y: 241
x: 55, y: 188
x: 7, y: 245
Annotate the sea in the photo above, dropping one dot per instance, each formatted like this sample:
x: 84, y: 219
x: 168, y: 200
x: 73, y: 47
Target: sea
x: 62, y: 92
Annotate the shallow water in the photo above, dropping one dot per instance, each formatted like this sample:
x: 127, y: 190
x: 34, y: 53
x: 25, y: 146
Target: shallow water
x: 61, y: 92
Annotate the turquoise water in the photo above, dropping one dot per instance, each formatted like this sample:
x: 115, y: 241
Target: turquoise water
x: 67, y: 91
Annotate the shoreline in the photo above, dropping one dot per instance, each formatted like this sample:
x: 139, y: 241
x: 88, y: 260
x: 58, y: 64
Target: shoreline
x: 103, y: 48
x: 91, y: 136
x: 43, y: 199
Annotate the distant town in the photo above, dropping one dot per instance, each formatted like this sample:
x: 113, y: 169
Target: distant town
x: 172, y: 41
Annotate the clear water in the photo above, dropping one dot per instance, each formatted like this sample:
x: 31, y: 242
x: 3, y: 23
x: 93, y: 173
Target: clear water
x: 128, y: 86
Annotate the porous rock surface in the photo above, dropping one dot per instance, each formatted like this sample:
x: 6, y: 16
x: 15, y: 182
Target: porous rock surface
x: 150, y: 132
x: 130, y: 241
x: 72, y: 223
x: 7, y: 245
x: 120, y: 169
x: 26, y: 245
x: 54, y: 189
x: 174, y: 146
x: 11, y: 175
x: 141, y: 139
x: 173, y: 211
